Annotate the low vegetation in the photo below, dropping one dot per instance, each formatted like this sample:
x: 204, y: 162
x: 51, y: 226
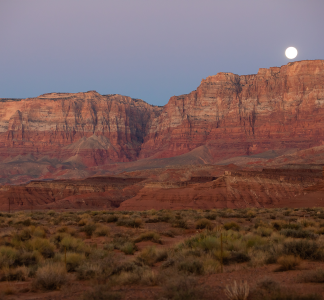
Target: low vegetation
x: 169, y: 253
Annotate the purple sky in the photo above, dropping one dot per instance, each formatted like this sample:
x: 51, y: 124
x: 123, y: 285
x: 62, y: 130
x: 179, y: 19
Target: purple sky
x: 148, y: 49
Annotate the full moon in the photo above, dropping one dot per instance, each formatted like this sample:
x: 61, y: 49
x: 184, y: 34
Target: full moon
x: 291, y: 52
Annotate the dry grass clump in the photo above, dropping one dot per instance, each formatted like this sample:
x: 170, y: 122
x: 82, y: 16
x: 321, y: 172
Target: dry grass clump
x: 130, y: 222
x: 231, y: 226
x: 305, y: 249
x: 149, y: 236
x: 16, y: 274
x: 102, y: 231
x: 204, y: 223
x: 150, y: 255
x: 288, y: 262
x: 124, y: 244
x: 237, y: 291
x: 298, y: 233
x: 72, y: 244
x: 73, y: 261
x: 51, y: 276
x: 44, y: 246
x: 180, y: 223
x: 89, y: 229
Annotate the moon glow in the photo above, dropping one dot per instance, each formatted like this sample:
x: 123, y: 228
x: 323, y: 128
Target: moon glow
x: 291, y: 52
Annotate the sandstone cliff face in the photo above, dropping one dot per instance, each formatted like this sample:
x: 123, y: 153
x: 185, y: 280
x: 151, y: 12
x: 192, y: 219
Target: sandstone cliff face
x: 95, y: 127
x: 235, y: 115
x: 229, y: 115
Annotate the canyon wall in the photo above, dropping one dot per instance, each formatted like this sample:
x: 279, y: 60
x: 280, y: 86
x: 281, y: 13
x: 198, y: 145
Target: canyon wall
x: 241, y: 115
x: 228, y: 114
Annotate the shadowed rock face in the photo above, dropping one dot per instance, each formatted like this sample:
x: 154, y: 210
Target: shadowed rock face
x: 229, y: 115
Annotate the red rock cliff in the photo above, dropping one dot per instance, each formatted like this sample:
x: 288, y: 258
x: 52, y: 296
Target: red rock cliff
x: 237, y: 115
x: 231, y: 115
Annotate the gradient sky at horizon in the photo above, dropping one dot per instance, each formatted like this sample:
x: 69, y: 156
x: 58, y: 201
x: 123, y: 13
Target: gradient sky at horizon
x: 147, y: 49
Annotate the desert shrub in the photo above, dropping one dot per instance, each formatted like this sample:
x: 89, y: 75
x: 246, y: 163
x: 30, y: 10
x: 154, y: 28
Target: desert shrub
x: 152, y: 220
x: 29, y: 258
x: 180, y: 223
x: 237, y: 291
x: 111, y: 218
x: 232, y: 226
x: 88, y: 270
x: 23, y: 235
x: 97, y: 254
x: 151, y: 255
x: 72, y: 244
x: 182, y: 288
x: 165, y: 217
x: 264, y: 231
x: 211, y: 265
x: 8, y: 256
x: 316, y: 276
x: 305, y: 249
x: 149, y: 236
x: 169, y: 233
x: 58, y: 237
x: 51, y: 213
x: 83, y: 222
x: 44, y: 246
x: 211, y: 216
x: 298, y: 233
x: 16, y: 274
x: 191, y: 266
x: 73, y: 261
x: 204, y: 223
x: 288, y: 262
x: 50, y: 276
x: 238, y: 257
x: 89, y: 229
x: 102, y: 231
x: 101, y: 292
x: 128, y: 248
x: 39, y: 232
x: 130, y: 222
x: 62, y: 229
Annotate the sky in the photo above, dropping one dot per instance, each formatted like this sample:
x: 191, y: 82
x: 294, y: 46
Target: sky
x: 147, y: 49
